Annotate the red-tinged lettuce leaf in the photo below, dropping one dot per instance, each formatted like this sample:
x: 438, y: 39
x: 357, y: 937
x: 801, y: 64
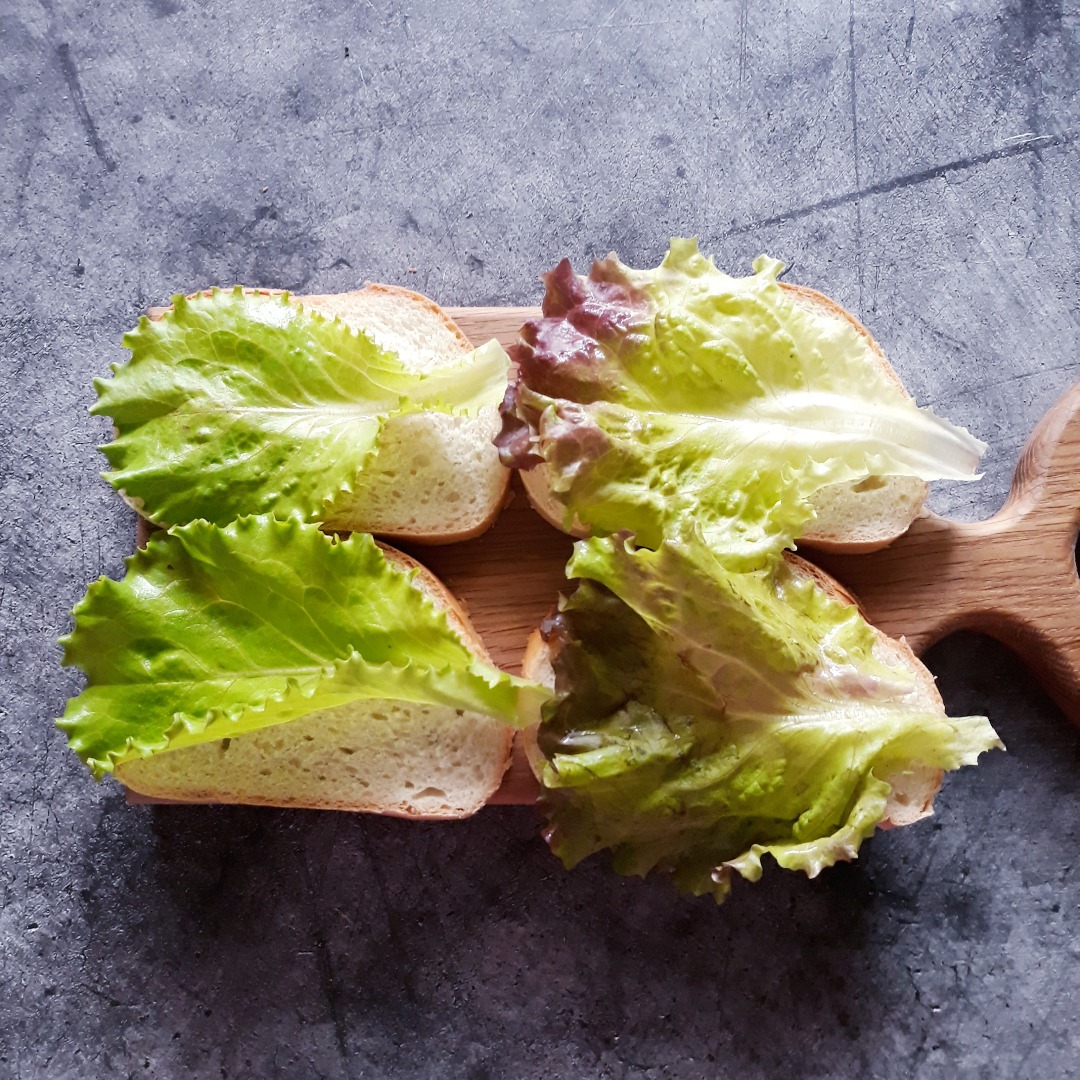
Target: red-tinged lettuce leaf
x: 659, y: 399
x: 705, y: 718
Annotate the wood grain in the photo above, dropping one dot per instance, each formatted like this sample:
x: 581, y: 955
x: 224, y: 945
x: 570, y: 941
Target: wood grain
x: 1013, y: 576
x: 483, y: 324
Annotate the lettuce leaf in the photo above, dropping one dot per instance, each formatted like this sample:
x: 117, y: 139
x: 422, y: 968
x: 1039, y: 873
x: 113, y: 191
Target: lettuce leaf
x: 705, y: 718
x: 235, y: 403
x: 214, y: 632
x: 656, y: 398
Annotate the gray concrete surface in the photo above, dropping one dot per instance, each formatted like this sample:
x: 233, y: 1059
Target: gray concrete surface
x: 918, y: 161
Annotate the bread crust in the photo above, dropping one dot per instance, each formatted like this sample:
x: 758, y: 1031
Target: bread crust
x: 538, y: 489
x: 537, y: 664
x: 459, y: 620
x: 438, y: 539
x: 912, y: 795
x: 323, y: 300
x: 434, y: 588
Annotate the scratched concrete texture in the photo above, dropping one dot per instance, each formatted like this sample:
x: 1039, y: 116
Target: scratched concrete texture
x: 919, y: 162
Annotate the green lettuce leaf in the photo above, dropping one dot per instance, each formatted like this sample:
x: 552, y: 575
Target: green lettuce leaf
x: 705, y: 718
x: 234, y: 404
x: 214, y: 632
x: 660, y: 398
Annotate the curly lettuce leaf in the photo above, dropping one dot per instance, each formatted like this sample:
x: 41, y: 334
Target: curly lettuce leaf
x: 658, y: 398
x: 234, y: 403
x: 704, y: 719
x: 214, y: 632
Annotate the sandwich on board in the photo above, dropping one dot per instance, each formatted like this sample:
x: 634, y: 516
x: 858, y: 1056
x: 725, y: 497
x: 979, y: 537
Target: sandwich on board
x: 645, y: 395
x: 268, y: 662
x: 366, y: 411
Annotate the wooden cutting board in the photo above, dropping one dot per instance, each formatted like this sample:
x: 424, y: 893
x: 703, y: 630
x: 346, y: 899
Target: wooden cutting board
x: 1013, y: 576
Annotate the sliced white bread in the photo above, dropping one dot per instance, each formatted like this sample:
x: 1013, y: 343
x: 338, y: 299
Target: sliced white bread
x: 384, y: 757
x: 861, y: 516
x: 864, y: 515
x: 913, y: 790
x: 436, y: 478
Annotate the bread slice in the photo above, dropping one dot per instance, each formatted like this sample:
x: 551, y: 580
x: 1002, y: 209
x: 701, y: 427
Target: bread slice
x: 869, y: 514
x: 860, y: 516
x: 913, y: 790
x: 436, y: 478
x: 384, y: 757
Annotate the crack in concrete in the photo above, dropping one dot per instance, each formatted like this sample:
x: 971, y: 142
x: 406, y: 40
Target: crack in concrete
x: 86, y: 121
x: 854, y: 108
x: 1033, y: 145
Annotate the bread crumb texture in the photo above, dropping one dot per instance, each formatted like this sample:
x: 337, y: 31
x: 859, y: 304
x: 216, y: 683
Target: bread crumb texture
x: 379, y: 756
x: 434, y: 474
x: 877, y: 508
